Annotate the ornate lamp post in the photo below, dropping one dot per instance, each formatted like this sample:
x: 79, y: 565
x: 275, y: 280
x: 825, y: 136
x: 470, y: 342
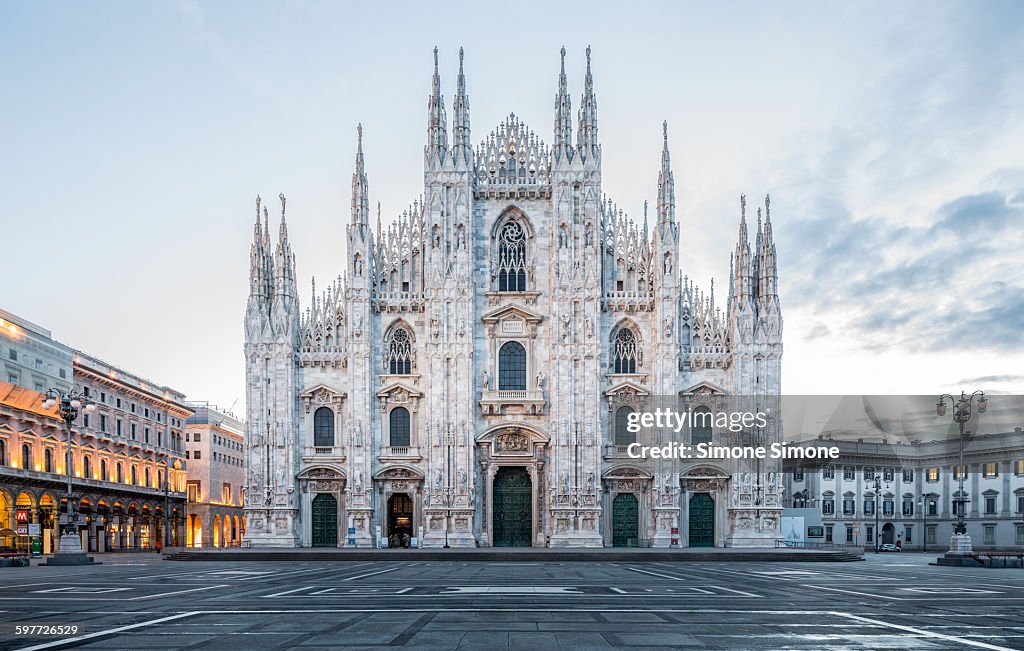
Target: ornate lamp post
x: 448, y: 493
x: 876, y: 484
x: 960, y: 541
x: 168, y: 540
x: 69, y: 551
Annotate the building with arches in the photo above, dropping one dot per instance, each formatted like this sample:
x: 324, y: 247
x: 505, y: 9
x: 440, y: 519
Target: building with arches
x: 215, y: 483
x: 127, y: 491
x: 469, y: 374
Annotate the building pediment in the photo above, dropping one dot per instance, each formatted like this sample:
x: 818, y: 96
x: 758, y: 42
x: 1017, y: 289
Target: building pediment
x: 703, y: 388
x: 626, y: 472
x: 398, y: 393
x: 512, y: 439
x: 512, y: 311
x: 399, y: 472
x: 323, y: 471
x: 705, y: 472
x: 321, y: 395
x: 627, y: 390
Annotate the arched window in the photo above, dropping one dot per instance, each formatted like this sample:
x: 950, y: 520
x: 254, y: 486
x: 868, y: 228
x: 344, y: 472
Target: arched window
x: 120, y: 474
x: 323, y: 428
x: 135, y: 476
x: 48, y: 460
x: 398, y: 352
x: 512, y: 258
x: 103, y: 470
x: 512, y: 367
x: 624, y: 355
x: 87, y: 467
x: 400, y: 430
x: 622, y: 434
x: 3, y: 452
x: 146, y: 475
x: 700, y: 425
x: 26, y: 456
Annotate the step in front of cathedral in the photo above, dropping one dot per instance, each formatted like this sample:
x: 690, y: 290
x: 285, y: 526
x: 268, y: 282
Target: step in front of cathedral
x: 526, y: 555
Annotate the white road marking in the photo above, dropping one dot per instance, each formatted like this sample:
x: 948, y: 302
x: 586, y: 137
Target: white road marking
x: 508, y: 589
x: 664, y: 576
x: 291, y: 573
x: 363, y: 576
x: 739, y: 592
x: 281, y: 594
x: 954, y: 592
x: 926, y: 633
x: 112, y: 631
x: 362, y: 592
x: 166, y: 594
x: 83, y: 589
x: 649, y: 592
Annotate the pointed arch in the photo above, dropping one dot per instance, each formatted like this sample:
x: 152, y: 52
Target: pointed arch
x: 510, y: 236
x: 626, y: 348
x: 399, y: 349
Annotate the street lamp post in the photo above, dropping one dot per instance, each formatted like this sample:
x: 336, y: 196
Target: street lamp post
x: 448, y: 495
x: 69, y: 550
x: 877, y: 485
x: 167, y: 503
x: 960, y: 541
x: 168, y: 538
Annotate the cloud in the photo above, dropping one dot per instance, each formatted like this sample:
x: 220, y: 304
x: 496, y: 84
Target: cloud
x: 975, y: 215
x: 957, y: 283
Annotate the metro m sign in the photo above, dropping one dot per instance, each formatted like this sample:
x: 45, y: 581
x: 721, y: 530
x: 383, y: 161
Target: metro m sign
x: 21, y: 516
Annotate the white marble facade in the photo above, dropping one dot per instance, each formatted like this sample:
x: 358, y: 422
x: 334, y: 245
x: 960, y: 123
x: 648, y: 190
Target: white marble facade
x: 460, y: 380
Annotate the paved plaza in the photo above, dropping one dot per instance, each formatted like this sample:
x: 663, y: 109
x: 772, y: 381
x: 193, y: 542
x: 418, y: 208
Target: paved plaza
x: 890, y: 601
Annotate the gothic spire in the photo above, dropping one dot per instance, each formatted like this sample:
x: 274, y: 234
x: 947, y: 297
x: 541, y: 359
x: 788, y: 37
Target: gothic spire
x: 666, y: 183
x: 742, y: 256
x: 767, y: 268
x: 437, y: 129
x: 563, y: 117
x: 462, y: 147
x: 586, y: 139
x: 285, y: 258
x: 360, y: 188
x: 258, y: 259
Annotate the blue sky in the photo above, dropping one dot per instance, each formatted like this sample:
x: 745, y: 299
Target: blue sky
x: 890, y: 136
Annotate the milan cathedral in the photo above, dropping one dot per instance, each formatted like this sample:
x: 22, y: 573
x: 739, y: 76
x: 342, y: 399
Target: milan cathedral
x: 467, y: 379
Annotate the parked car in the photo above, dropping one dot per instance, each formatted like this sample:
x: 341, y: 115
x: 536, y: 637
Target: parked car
x: 889, y: 547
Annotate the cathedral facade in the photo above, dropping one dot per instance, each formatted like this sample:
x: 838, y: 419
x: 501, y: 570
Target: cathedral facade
x: 468, y: 378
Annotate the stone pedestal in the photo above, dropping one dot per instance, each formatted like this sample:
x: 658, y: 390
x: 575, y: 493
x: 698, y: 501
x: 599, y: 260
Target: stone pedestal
x: 575, y: 529
x: 961, y: 552
x: 960, y: 545
x: 271, y: 528
x: 459, y: 525
x: 69, y: 544
x: 754, y: 527
x: 69, y: 552
x: 665, y: 518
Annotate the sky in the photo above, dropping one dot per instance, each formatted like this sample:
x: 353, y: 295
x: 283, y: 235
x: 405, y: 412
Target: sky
x: 890, y: 136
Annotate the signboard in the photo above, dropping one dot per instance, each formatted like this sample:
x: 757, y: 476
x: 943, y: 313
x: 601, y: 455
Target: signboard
x: 793, y: 528
x: 21, y: 520
x: 34, y: 529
